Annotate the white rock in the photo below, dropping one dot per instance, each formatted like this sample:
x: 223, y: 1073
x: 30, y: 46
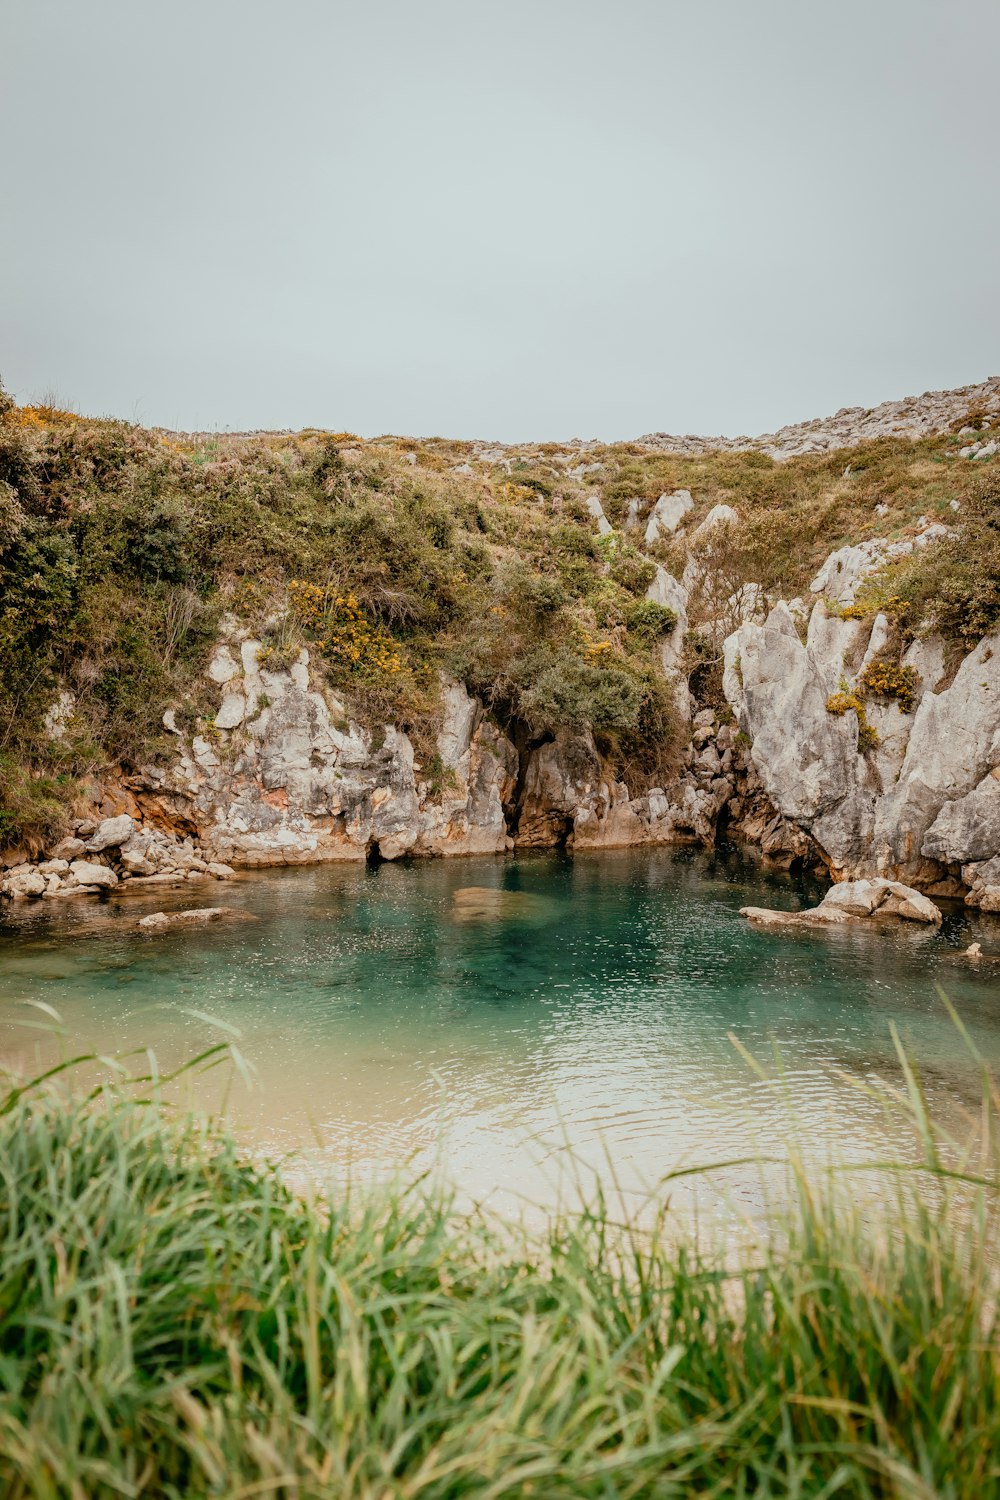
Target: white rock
x: 232, y: 711
x: 460, y: 713
x: 223, y: 666
x: 111, y: 834
x: 596, y: 509
x: 667, y: 514
x: 21, y: 884
x: 58, y: 716
x: 90, y: 874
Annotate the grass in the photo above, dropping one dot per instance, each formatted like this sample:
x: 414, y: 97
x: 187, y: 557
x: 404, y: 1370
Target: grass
x: 177, y: 1323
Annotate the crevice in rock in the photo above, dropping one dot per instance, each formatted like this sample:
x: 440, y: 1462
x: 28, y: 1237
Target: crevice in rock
x: 525, y: 742
x: 373, y: 855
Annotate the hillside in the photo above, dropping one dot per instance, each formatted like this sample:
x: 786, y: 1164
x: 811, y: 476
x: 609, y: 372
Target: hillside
x: 546, y: 579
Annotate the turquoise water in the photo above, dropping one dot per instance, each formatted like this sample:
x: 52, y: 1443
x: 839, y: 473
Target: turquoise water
x: 575, y: 1013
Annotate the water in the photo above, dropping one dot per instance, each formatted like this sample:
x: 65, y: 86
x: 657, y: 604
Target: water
x: 562, y: 1015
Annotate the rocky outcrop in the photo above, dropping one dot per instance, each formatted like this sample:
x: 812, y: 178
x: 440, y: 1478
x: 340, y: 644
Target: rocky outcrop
x: 285, y: 777
x: 913, y: 417
x: 121, y: 855
x: 854, y: 901
x: 906, y: 791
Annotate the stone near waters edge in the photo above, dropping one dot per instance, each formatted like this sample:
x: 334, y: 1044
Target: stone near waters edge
x: 854, y: 901
x: 161, y: 921
x: 111, y: 834
x: 90, y: 874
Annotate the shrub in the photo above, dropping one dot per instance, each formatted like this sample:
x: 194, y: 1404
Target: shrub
x: 647, y: 621
x: 887, y: 679
x: 954, y: 585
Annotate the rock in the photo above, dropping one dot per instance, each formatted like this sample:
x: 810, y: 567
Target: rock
x: 806, y: 758
x: 665, y: 589
x: 844, y: 569
x: 667, y: 514
x: 68, y: 848
x: 854, y: 901
x: 223, y: 666
x: 136, y: 864
x: 111, y: 833
x: 232, y: 711
x: 219, y: 871
x: 58, y: 716
x: 460, y: 714
x: 990, y: 899
x: 162, y: 921
x: 53, y: 867
x: 953, y: 746
x: 94, y: 875
x: 719, y: 515
x: 21, y: 884
x: 596, y: 509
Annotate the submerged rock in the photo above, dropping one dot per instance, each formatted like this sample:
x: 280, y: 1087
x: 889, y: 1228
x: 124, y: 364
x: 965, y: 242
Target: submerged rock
x: 853, y: 901
x: 160, y: 921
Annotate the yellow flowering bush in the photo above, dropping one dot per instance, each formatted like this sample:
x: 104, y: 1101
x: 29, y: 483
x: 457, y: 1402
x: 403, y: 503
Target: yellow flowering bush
x: 889, y: 680
x: 346, y: 634
x: 516, y: 494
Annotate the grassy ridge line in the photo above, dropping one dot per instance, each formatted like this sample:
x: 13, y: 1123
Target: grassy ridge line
x: 176, y: 1323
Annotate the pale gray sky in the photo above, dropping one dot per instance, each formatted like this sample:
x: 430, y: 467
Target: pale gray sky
x: 521, y: 219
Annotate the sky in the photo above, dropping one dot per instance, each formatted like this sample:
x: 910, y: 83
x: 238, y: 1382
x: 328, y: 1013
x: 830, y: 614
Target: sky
x: 517, y: 220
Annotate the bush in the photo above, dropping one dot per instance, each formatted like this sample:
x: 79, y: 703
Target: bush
x: 887, y: 679
x: 648, y: 621
x: 954, y: 585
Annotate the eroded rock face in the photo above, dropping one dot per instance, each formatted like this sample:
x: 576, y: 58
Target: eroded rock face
x: 921, y: 804
x: 807, y: 758
x: 286, y: 778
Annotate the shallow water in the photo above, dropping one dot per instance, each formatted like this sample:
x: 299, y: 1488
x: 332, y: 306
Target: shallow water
x: 512, y: 1019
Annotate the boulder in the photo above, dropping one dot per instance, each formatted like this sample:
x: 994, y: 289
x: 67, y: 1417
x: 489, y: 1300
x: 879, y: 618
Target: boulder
x: 68, y: 848
x: 90, y: 874
x: 220, y: 871
x: 20, y: 884
x: 854, y: 901
x: 111, y: 834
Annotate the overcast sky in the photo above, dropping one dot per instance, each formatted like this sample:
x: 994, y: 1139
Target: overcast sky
x: 517, y: 219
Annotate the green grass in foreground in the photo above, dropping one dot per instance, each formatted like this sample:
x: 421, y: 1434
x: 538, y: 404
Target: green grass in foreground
x: 176, y: 1322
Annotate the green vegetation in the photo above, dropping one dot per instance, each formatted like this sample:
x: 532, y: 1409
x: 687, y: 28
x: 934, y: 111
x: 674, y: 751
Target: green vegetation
x: 954, y: 586
x: 177, y: 1323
